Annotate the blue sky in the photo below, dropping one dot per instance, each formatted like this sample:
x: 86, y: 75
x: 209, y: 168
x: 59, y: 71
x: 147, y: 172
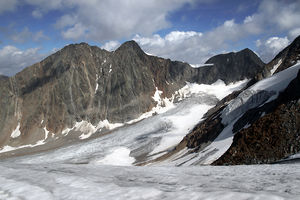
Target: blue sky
x: 186, y: 30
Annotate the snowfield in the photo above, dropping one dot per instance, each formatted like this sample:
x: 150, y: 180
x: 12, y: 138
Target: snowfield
x: 97, y: 182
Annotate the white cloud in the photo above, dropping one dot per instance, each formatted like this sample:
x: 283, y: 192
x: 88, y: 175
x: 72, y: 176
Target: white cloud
x: 272, y: 46
x: 177, y: 45
x: 111, y: 45
x: 102, y: 20
x: 179, y: 36
x: 14, y: 60
x: 8, y: 5
x: 75, y: 32
x: 272, y: 17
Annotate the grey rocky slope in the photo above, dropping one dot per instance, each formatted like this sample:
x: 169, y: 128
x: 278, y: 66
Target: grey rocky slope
x: 82, y: 82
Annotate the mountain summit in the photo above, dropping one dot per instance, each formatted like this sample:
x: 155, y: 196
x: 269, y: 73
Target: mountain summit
x: 239, y: 65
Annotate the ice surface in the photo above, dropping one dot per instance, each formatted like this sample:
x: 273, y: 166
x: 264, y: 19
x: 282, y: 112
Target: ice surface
x: 73, y: 181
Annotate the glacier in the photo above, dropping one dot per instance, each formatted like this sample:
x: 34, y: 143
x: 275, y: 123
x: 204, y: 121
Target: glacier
x: 104, y: 167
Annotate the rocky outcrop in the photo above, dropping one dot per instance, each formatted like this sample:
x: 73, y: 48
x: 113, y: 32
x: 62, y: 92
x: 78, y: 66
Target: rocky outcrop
x: 234, y: 66
x: 271, y: 137
x: 82, y: 82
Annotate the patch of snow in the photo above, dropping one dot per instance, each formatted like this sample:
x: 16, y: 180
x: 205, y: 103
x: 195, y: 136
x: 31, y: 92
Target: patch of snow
x: 88, y: 129
x: 149, y: 54
x: 16, y: 133
x: 163, y: 105
x: 104, y: 61
x: 46, y: 133
x: 42, y: 121
x: 106, y: 124
x: 201, y: 65
x: 10, y: 148
x: 156, y: 96
x: 262, y: 92
x: 97, y: 85
x: 246, y: 126
x: 66, y: 131
x: 110, y: 68
x: 295, y: 156
x: 119, y: 157
x: 276, y: 67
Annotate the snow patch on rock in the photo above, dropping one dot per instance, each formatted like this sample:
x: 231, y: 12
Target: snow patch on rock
x: 16, y: 133
x: 276, y: 67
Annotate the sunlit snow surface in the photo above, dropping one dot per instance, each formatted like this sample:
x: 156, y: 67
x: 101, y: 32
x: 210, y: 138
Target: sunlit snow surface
x: 71, y: 181
x: 91, y: 169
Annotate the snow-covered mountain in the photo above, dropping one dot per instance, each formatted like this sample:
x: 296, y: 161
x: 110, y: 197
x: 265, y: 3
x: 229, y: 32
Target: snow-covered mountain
x: 260, y: 124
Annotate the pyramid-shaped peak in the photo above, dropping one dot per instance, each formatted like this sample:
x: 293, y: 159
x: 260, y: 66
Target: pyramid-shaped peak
x: 130, y: 46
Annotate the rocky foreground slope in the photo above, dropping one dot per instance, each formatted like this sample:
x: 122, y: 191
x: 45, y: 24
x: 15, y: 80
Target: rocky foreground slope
x: 260, y: 124
x: 83, y: 89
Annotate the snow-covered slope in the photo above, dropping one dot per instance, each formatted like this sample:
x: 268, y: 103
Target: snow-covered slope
x: 207, y: 150
x: 262, y: 92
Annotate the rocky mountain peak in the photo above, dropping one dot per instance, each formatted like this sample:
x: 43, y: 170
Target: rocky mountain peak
x: 130, y: 47
x: 236, y: 66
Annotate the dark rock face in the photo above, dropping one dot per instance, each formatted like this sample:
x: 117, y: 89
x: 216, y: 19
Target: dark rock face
x: 272, y: 137
x: 234, y: 66
x: 82, y: 82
